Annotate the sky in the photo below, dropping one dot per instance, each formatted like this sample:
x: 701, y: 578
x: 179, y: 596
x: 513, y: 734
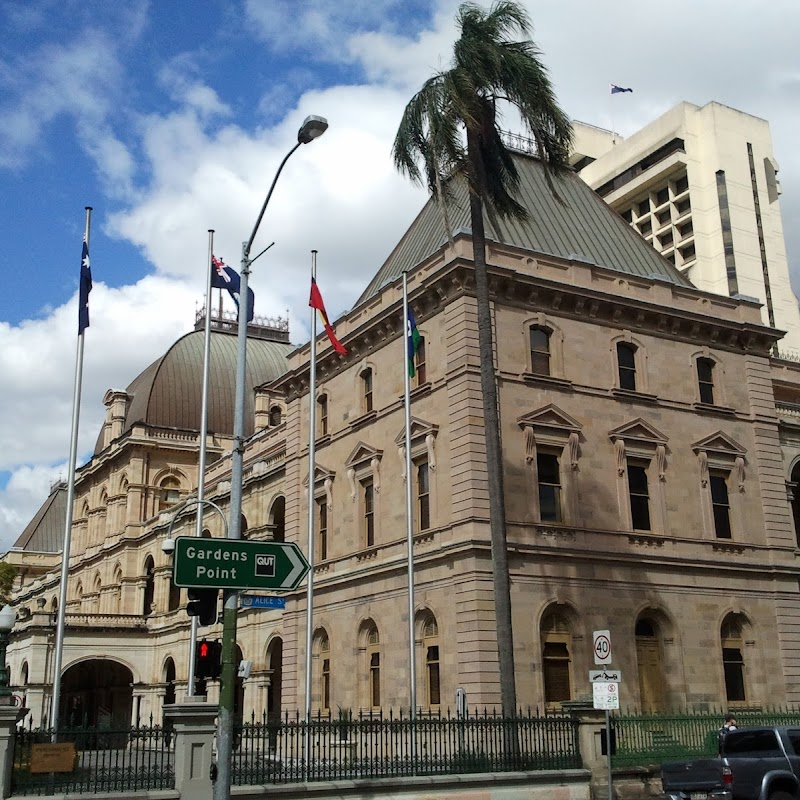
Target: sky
x: 171, y: 118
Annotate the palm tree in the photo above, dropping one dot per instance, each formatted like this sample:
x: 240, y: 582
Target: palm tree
x: 489, y: 67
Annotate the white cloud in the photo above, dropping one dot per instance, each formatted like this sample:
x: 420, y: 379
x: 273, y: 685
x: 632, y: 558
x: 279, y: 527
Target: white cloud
x: 23, y: 494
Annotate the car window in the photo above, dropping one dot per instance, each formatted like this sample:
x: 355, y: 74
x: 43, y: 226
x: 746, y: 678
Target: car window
x: 752, y: 743
x: 794, y: 738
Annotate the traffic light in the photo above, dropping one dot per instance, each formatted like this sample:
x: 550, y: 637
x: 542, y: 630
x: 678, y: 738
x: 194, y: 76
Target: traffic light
x: 203, y: 605
x: 208, y: 661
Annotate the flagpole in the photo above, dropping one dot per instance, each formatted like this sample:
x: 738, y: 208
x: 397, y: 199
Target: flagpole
x: 201, y: 466
x: 611, y: 114
x: 312, y: 424
x: 73, y: 456
x: 412, y: 670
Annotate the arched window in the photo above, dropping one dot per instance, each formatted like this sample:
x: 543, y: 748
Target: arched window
x: 323, y: 659
x: 430, y: 649
x: 149, y: 587
x: 174, y: 602
x: 539, y: 339
x: 705, y: 380
x: 275, y: 416
x: 796, y: 501
x: 322, y: 415
x: 116, y: 591
x: 556, y: 639
x: 278, y: 519
x: 367, y: 403
x: 169, y: 680
x: 243, y: 526
x: 373, y: 659
x: 169, y: 493
x: 648, y: 662
x: 626, y: 365
x: 733, y: 664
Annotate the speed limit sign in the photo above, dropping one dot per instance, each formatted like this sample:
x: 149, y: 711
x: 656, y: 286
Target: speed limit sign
x: 601, y: 641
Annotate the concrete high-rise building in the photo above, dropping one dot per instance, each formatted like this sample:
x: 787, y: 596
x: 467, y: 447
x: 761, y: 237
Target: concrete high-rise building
x: 700, y: 184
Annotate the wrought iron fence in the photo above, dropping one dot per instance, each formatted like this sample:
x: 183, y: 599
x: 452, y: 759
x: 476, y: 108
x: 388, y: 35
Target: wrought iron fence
x: 646, y: 739
x: 291, y: 750
x: 106, y: 760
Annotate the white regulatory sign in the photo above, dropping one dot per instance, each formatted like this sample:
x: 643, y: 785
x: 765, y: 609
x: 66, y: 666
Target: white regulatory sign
x: 605, y: 675
x: 605, y: 695
x: 601, y: 643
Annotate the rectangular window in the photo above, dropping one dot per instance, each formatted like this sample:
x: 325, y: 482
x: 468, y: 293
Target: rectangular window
x: 720, y: 504
x: 663, y: 217
x: 639, y: 497
x: 626, y: 362
x: 644, y: 207
x: 375, y: 679
x: 420, y: 371
x: 555, y: 667
x: 322, y: 415
x: 423, y: 496
x: 540, y: 351
x: 432, y: 665
x: 646, y: 227
x: 681, y: 185
x: 705, y: 380
x: 662, y: 196
x: 366, y: 385
x: 549, y: 487
x: 684, y: 207
x: 322, y: 529
x: 326, y: 684
x: 368, y: 494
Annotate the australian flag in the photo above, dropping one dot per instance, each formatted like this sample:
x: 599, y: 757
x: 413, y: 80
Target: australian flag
x: 617, y: 89
x: 224, y: 277
x: 85, y: 288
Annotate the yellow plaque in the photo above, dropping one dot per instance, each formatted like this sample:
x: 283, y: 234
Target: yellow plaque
x: 53, y: 757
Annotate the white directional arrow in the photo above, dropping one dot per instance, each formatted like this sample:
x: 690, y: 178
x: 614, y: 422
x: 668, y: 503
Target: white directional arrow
x: 299, y: 568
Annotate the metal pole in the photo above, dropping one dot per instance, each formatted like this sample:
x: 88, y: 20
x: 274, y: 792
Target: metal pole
x: 227, y: 693
x: 312, y: 421
x: 201, y: 467
x: 73, y: 455
x: 412, y: 669
x: 222, y: 786
x: 608, y: 751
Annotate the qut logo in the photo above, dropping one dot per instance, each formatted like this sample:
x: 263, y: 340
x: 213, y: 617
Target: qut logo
x: 265, y: 566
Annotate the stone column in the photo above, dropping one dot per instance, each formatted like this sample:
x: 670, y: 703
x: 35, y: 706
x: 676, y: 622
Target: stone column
x: 193, y: 724
x: 9, y: 715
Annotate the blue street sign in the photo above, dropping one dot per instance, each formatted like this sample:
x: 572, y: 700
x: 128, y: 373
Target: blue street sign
x: 260, y: 601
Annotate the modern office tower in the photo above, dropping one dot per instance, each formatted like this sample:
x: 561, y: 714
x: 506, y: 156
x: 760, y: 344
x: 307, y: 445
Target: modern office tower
x: 700, y: 184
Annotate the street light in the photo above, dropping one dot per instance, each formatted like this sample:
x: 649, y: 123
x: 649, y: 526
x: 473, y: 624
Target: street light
x: 312, y: 128
x: 7, y: 617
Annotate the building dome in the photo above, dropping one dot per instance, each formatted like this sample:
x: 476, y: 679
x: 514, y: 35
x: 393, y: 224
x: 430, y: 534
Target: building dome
x: 168, y: 393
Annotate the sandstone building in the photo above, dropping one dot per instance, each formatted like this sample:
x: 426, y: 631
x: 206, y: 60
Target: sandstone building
x: 650, y: 443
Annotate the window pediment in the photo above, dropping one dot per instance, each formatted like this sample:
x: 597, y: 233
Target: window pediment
x: 362, y: 455
x: 638, y: 432
x: 321, y: 474
x: 719, y: 444
x: 419, y: 430
x: 550, y: 418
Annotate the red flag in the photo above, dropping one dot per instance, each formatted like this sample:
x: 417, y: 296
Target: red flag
x: 315, y: 301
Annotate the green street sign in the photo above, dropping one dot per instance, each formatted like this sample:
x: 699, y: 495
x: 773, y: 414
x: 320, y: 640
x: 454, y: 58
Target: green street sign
x: 237, y: 564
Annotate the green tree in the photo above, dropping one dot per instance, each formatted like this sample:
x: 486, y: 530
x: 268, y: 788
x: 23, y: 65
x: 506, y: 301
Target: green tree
x: 451, y: 127
x: 8, y: 572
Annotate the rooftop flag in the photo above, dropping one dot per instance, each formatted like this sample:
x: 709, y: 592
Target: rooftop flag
x: 617, y: 89
x: 315, y: 301
x: 225, y: 277
x: 85, y: 288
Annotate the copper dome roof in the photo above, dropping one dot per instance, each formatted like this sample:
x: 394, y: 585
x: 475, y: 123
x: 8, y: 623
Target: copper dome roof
x: 168, y: 393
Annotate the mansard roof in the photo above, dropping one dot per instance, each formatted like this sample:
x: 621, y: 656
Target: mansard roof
x: 581, y: 228
x: 45, y: 532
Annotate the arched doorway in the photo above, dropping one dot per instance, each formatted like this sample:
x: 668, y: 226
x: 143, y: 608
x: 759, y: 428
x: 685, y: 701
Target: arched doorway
x: 277, y: 519
x: 648, y: 662
x: 97, y: 694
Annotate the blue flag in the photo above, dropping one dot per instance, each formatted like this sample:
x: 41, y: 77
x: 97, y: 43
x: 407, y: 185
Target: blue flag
x: 85, y: 288
x: 223, y: 277
x: 617, y: 89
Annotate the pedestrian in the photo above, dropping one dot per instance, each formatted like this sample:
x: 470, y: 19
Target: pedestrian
x: 727, y: 726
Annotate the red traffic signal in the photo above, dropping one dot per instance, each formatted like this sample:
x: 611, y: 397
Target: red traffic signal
x: 208, y: 660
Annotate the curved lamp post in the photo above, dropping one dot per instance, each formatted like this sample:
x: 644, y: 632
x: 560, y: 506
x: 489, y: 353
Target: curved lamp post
x: 312, y: 128
x: 7, y: 617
